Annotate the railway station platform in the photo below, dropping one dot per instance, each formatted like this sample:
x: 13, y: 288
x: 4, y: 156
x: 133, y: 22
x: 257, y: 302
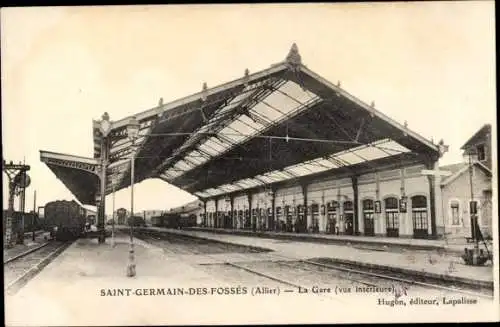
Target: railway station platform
x: 86, y: 285
x: 441, y: 264
x: 450, y: 246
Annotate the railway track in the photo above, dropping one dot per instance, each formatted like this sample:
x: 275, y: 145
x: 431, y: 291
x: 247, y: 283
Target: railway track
x: 322, y: 271
x: 19, y: 270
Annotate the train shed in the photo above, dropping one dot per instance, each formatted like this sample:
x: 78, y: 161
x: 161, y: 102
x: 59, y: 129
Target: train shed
x: 279, y: 149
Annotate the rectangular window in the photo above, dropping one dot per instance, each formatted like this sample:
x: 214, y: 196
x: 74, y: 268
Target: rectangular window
x: 392, y: 221
x: 455, y: 217
x: 420, y: 219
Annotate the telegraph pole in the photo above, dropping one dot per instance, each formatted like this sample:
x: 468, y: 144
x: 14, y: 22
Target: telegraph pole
x: 33, y: 218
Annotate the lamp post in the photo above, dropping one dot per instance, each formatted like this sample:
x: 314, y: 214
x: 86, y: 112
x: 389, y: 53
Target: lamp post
x: 472, y: 205
x: 113, y: 221
x: 105, y: 127
x: 132, y: 133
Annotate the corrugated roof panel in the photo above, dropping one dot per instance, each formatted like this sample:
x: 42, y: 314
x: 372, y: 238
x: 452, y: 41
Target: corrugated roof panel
x: 371, y: 153
x: 349, y: 158
x: 293, y: 90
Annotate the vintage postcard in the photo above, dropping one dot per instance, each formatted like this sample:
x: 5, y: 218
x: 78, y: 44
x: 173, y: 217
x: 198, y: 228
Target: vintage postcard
x: 249, y: 164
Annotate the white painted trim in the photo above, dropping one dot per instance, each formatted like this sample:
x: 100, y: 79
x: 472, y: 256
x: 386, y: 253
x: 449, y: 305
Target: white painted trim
x: 436, y: 172
x: 61, y: 156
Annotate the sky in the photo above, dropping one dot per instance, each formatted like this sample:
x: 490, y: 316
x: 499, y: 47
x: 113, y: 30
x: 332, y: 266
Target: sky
x: 430, y: 64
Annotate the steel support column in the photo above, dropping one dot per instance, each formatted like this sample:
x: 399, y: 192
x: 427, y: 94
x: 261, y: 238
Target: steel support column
x: 205, y: 218
x: 303, y: 224
x: 273, y: 210
x: 231, y: 200
x: 253, y: 225
x: 216, y: 218
x: 101, y: 216
x: 355, y: 206
x: 433, y: 194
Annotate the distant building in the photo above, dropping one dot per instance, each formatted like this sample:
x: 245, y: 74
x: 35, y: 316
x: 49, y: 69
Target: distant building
x: 469, y: 178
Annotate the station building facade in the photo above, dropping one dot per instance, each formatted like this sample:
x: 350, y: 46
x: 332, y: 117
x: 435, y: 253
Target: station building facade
x: 393, y: 202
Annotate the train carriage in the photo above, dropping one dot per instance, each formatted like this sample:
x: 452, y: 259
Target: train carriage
x: 174, y: 220
x: 66, y: 219
x: 31, y: 220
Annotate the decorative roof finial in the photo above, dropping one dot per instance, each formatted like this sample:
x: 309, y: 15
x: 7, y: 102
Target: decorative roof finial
x: 204, y: 92
x: 105, y: 116
x: 372, y: 104
x: 293, y: 57
x: 443, y: 148
x: 247, y: 77
x: 338, y: 83
x: 406, y: 124
x: 160, y: 103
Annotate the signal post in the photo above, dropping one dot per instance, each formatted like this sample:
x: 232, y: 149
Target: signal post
x: 18, y: 182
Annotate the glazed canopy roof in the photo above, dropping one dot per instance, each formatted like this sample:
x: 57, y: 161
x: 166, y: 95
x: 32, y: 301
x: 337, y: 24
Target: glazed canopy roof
x: 282, y: 123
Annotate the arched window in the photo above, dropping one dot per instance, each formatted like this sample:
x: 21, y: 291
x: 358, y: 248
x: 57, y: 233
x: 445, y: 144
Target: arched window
x: 455, y: 213
x: 368, y: 205
x: 348, y: 218
x: 348, y: 206
x: 331, y: 226
x: 419, y: 215
x: 368, y: 217
x: 392, y: 217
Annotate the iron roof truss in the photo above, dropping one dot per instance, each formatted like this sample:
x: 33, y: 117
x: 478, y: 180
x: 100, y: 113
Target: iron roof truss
x: 282, y: 123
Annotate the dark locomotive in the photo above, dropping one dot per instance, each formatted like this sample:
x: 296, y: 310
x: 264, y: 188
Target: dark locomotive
x: 65, y: 219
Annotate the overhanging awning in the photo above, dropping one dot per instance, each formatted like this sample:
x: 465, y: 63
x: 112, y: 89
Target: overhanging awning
x: 78, y: 174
